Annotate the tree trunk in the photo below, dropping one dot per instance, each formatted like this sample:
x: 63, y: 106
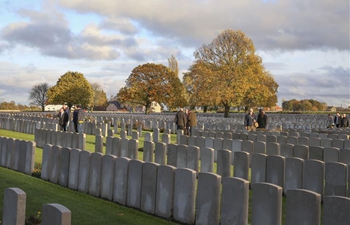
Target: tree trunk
x: 227, y: 111
x: 43, y: 108
x: 147, y: 106
x: 205, y: 109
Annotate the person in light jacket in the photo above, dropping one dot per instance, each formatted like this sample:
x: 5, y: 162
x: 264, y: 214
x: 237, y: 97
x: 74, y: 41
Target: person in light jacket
x: 249, y: 120
x: 192, y: 121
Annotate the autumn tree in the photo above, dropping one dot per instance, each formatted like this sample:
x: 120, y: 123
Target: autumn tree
x: 183, y: 96
x: 228, y: 72
x: 173, y: 65
x: 262, y: 93
x: 38, y: 95
x: 197, y: 85
x: 152, y: 82
x: 100, y: 97
x: 72, y: 88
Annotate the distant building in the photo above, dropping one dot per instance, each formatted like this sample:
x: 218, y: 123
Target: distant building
x: 331, y: 108
x: 155, y: 107
x: 275, y: 109
x: 116, y: 106
x: 51, y: 108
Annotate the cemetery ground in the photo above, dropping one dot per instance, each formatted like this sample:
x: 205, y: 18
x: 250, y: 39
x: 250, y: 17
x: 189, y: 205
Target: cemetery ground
x: 85, y: 208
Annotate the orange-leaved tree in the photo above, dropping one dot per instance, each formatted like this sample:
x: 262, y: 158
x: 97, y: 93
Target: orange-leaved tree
x: 228, y: 72
x: 152, y: 82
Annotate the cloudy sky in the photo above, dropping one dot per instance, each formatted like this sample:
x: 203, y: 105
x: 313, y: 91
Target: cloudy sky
x: 303, y: 43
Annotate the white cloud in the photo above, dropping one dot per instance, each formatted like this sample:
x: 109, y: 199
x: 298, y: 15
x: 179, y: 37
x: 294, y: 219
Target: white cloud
x: 121, y: 25
x: 283, y: 24
x: 305, y: 44
x: 48, y: 32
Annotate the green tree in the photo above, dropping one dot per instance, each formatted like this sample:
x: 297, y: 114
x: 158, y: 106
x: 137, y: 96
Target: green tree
x: 152, y: 82
x: 227, y: 72
x: 72, y: 88
x: 100, y: 97
x: 38, y: 95
x: 297, y: 106
x: 306, y: 105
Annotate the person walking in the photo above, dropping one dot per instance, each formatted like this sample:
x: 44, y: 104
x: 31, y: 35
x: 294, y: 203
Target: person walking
x: 192, y: 121
x: 249, y: 120
x: 262, y: 119
x: 180, y: 119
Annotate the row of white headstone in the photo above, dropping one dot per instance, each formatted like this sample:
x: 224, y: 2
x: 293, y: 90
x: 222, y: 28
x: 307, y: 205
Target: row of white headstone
x: 168, y: 191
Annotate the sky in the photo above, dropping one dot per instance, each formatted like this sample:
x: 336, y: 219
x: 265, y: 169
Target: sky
x: 305, y: 44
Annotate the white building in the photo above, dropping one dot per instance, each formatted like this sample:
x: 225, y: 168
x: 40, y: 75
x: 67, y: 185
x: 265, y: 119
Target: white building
x: 51, y: 108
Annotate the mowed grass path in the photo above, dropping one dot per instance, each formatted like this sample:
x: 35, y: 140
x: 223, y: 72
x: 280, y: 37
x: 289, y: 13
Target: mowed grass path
x: 86, y: 209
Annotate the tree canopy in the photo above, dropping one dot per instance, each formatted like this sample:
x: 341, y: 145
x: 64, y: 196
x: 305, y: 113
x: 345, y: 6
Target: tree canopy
x: 228, y: 72
x: 71, y: 88
x: 173, y: 65
x: 100, y: 97
x: 38, y: 95
x: 304, y: 105
x: 4, y: 105
x: 152, y: 82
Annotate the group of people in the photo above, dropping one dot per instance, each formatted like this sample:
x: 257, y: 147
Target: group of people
x: 339, y: 121
x: 186, y: 120
x: 78, y: 118
x: 252, y: 122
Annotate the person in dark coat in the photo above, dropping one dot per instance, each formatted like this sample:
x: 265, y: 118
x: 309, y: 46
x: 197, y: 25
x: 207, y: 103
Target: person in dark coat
x: 337, y: 119
x: 75, y: 118
x: 80, y: 118
x: 63, y: 119
x: 262, y: 119
x: 66, y: 109
x: 344, y: 122
x: 180, y: 119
